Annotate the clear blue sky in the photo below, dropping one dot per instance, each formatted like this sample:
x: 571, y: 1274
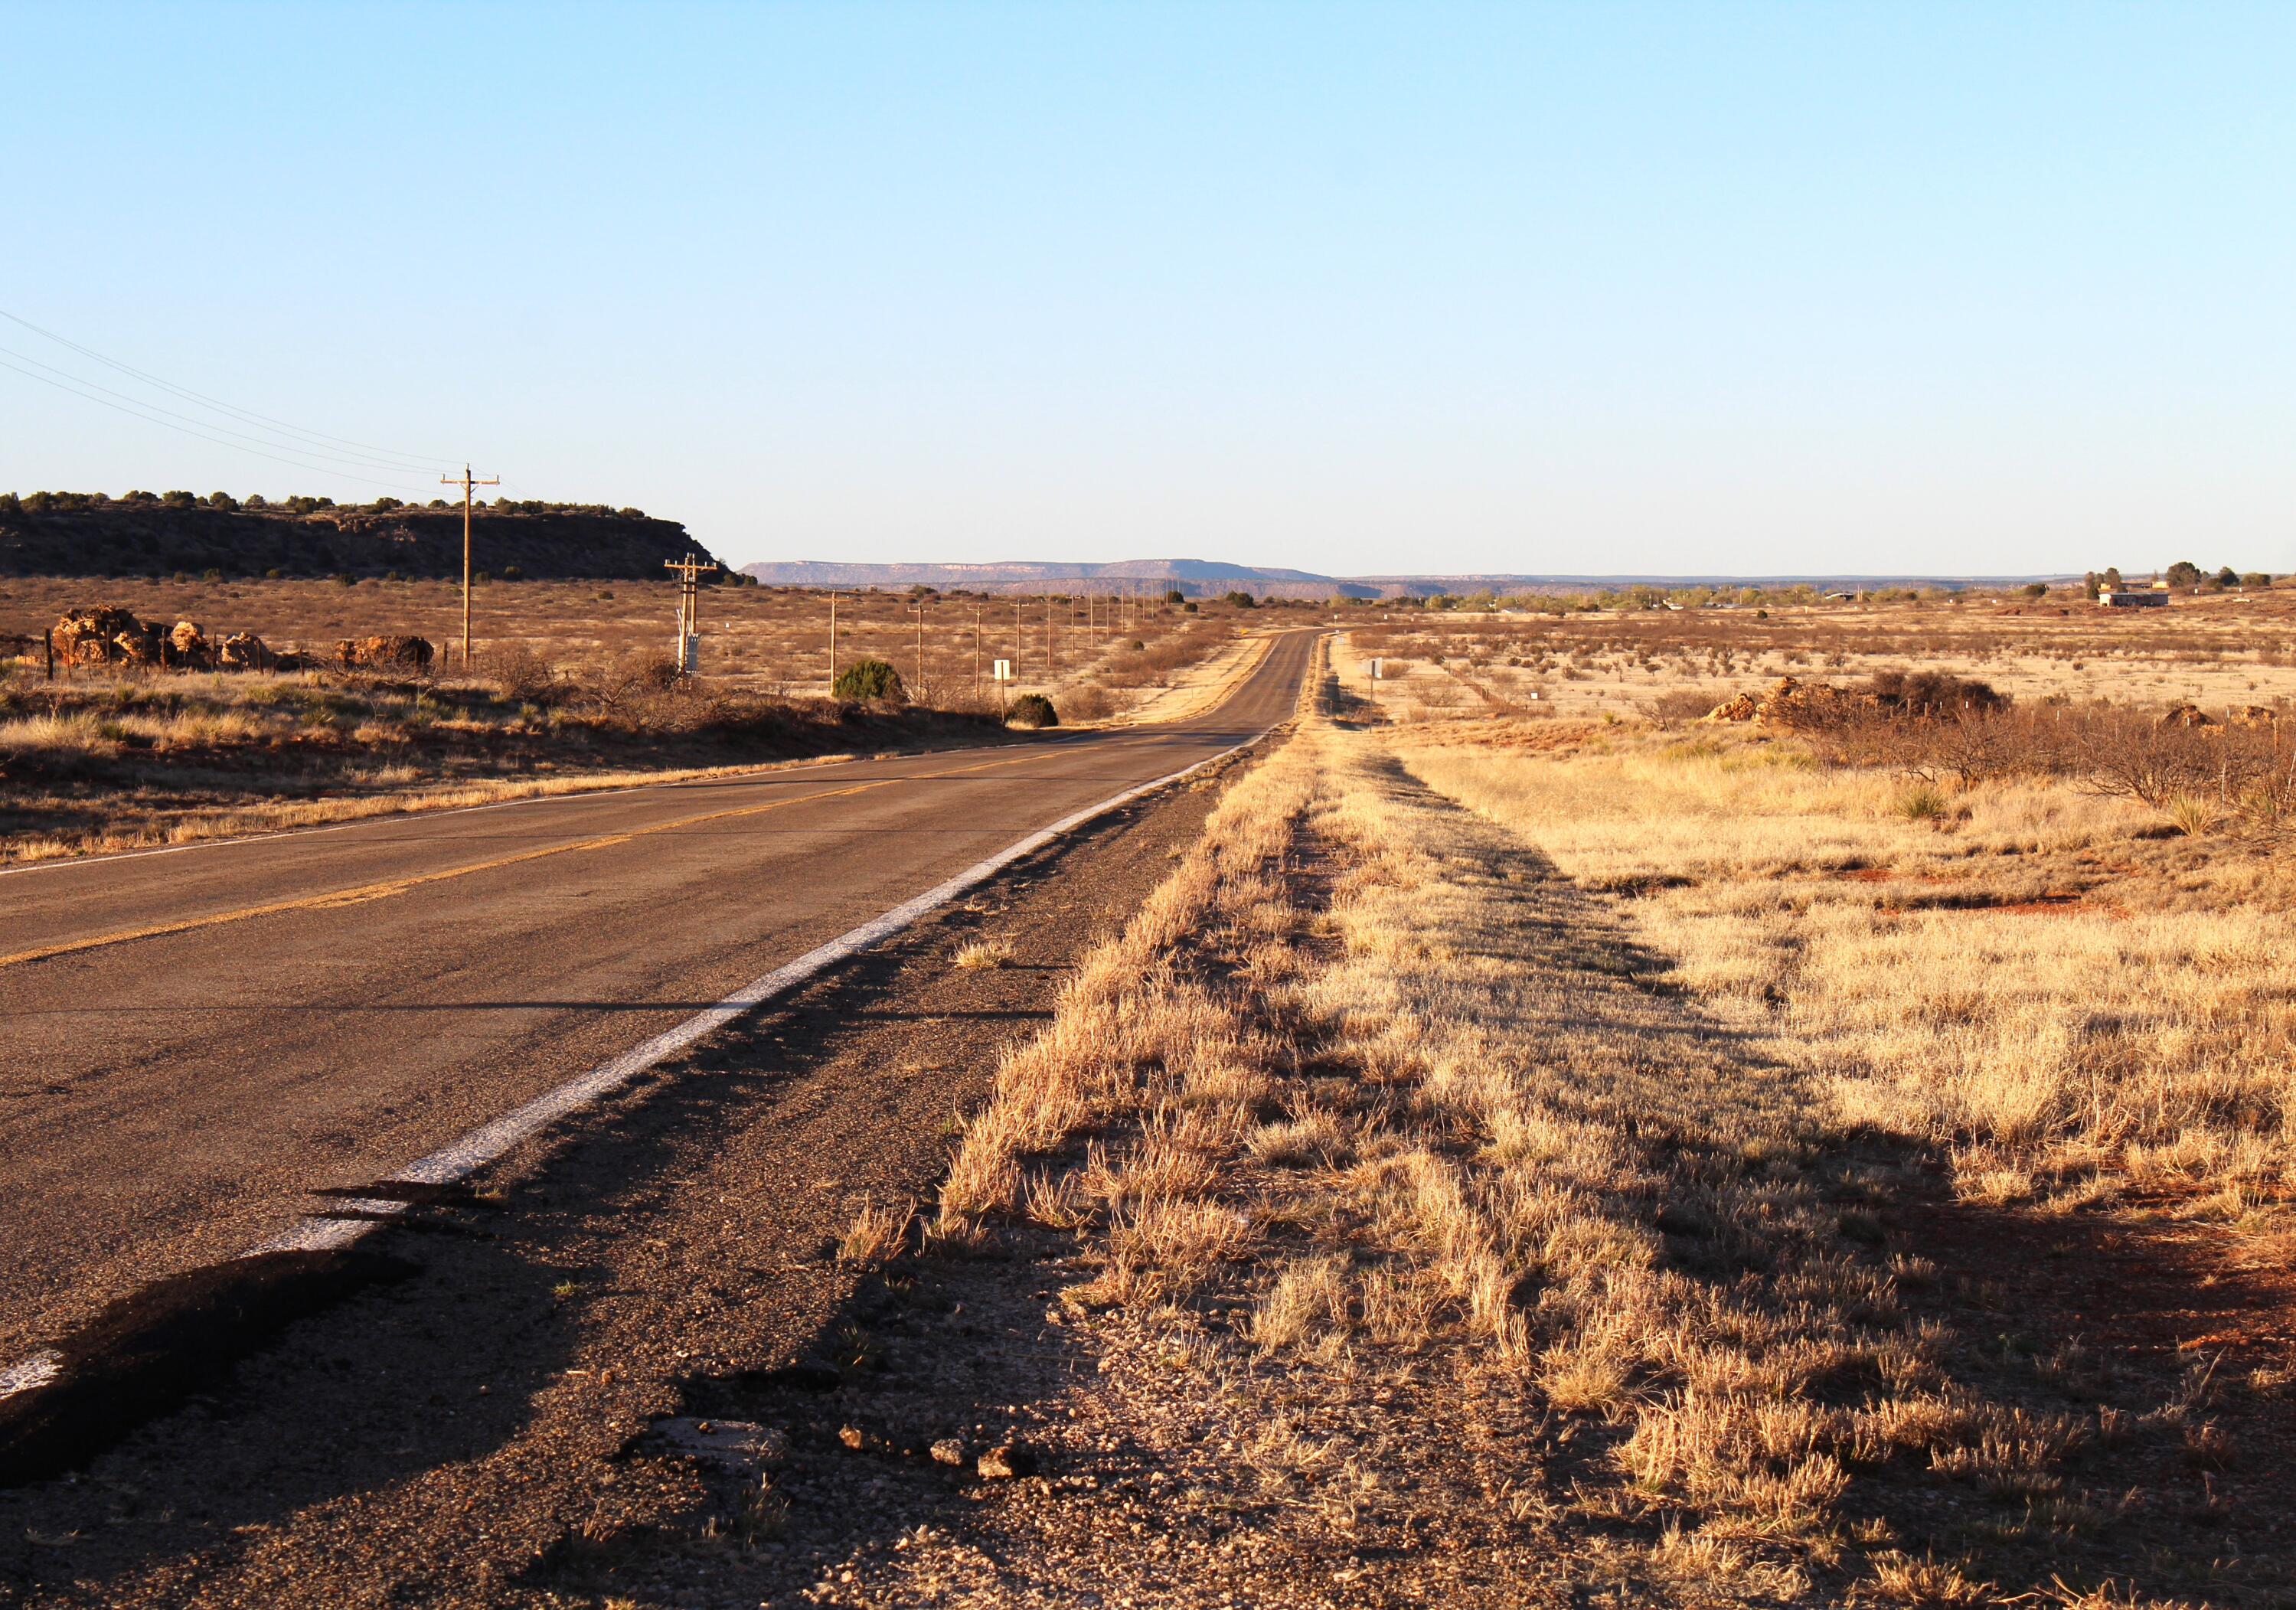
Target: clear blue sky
x: 1946, y: 288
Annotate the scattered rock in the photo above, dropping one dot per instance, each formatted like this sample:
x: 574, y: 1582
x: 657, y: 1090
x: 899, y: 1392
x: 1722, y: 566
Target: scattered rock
x: 948, y: 1450
x: 404, y: 654
x: 734, y: 1443
x: 2187, y: 715
x: 188, y: 646
x: 1008, y: 1459
x: 850, y: 1435
x: 244, y: 651
x: 2252, y: 715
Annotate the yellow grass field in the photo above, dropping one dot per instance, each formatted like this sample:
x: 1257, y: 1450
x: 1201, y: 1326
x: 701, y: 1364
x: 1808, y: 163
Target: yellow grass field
x: 1656, y: 1162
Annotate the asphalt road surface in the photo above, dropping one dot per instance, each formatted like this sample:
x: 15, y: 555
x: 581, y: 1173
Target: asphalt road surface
x: 193, y: 1043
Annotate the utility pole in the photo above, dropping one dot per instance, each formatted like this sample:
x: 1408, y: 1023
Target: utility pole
x: 919, y: 608
x: 689, y: 609
x: 832, y: 643
x: 466, y: 480
x: 1052, y: 653
x: 1016, y: 637
x: 976, y: 654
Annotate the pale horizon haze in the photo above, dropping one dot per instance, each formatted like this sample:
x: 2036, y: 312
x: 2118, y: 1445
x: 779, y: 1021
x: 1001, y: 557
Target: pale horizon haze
x: 1561, y: 288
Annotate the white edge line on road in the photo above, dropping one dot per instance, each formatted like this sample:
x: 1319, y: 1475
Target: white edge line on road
x: 321, y: 1232
x: 489, y: 1141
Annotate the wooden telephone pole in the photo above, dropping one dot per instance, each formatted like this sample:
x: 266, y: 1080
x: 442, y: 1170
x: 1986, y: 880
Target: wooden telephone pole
x: 466, y: 480
x: 690, y: 570
x: 833, y: 645
x: 920, y: 607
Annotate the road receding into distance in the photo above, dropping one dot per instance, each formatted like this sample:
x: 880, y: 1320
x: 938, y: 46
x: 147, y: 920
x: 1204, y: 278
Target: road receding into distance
x: 199, y: 1048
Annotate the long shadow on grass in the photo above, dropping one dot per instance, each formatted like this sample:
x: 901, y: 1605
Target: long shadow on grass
x: 2051, y: 1316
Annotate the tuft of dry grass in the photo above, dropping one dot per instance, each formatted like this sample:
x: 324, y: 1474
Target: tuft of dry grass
x: 981, y: 955
x: 879, y: 1231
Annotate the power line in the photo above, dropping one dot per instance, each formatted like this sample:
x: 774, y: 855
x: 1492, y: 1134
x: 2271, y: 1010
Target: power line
x: 75, y: 380
x: 421, y: 461
x: 219, y: 441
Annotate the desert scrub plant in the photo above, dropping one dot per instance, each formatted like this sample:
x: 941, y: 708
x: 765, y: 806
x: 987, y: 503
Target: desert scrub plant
x: 1031, y: 709
x: 869, y: 678
x: 1923, y: 802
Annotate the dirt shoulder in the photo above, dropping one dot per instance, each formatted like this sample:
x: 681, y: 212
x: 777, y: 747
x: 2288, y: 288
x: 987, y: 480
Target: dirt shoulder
x: 498, y: 1424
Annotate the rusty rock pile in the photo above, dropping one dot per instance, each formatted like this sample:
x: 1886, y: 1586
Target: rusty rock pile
x: 1793, y: 702
x: 2193, y: 715
x: 108, y: 635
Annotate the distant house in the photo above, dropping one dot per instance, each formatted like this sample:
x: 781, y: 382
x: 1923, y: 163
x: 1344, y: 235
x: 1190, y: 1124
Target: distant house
x: 2134, y: 598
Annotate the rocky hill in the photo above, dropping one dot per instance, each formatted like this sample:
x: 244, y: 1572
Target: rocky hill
x: 87, y: 534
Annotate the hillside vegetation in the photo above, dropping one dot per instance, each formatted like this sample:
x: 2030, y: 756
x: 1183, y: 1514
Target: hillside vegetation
x: 143, y: 534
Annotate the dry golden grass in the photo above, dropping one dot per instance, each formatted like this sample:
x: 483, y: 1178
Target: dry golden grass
x: 2215, y: 651
x: 879, y: 1231
x: 1594, y: 1073
x: 2019, y: 982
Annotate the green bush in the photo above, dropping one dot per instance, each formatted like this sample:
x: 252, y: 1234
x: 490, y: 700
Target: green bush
x: 1031, y: 709
x: 2037, y: 589
x: 869, y: 679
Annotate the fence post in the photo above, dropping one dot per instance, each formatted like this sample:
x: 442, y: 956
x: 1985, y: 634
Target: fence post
x: 49, y: 638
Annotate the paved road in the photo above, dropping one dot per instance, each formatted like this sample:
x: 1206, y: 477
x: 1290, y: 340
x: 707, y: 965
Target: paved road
x: 191, y: 1043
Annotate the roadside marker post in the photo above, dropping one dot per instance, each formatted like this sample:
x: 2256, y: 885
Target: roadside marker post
x: 1002, y: 672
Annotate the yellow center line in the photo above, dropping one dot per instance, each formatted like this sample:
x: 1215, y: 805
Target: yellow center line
x: 385, y: 890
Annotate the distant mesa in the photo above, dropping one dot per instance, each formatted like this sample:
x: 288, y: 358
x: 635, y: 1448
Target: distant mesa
x: 1208, y: 579
x: 1195, y: 578
x: 141, y: 534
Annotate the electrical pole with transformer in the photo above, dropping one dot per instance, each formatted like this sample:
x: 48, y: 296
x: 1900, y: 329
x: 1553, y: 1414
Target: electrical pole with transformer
x: 689, y: 609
